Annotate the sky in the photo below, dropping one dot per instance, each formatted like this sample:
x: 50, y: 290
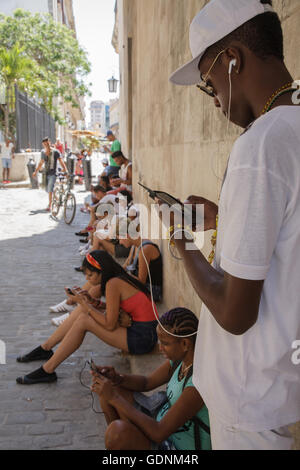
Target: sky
x: 94, y: 20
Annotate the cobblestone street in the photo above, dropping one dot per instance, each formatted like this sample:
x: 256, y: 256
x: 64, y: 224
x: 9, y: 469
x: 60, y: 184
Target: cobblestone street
x: 37, y: 259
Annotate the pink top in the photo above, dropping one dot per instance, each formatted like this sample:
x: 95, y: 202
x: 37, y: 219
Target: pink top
x: 139, y: 307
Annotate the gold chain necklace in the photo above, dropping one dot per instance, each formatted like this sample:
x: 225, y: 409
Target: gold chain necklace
x: 274, y: 96
x: 183, y: 371
x: 270, y: 102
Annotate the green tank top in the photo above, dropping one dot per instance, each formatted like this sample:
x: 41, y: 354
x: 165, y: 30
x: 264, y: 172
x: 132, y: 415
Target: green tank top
x: 184, y: 438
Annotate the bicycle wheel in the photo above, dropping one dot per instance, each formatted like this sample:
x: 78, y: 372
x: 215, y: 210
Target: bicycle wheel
x: 69, y: 208
x: 55, y: 207
x: 56, y: 194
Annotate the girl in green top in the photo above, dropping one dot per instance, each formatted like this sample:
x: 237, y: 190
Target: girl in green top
x: 173, y: 420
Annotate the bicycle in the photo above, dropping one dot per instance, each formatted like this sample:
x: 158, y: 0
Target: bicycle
x: 63, y: 196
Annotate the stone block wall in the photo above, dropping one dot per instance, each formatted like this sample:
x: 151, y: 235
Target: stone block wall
x: 180, y: 142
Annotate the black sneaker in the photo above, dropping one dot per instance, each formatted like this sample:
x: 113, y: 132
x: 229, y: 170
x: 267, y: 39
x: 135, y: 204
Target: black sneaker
x: 84, y: 240
x: 39, y: 376
x: 82, y: 234
x: 79, y: 270
x: 38, y: 354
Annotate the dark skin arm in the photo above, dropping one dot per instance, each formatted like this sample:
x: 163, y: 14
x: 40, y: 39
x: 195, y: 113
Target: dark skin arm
x: 189, y: 403
x: 233, y: 302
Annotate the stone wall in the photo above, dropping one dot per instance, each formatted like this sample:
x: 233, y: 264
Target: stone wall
x: 19, y: 171
x: 177, y: 139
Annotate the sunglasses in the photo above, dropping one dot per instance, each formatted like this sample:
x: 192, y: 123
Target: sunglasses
x: 203, y: 86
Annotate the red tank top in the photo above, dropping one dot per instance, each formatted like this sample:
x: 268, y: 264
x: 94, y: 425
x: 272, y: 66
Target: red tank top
x: 139, y: 307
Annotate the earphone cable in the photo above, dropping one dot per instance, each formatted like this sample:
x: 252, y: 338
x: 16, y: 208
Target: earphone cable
x: 152, y: 300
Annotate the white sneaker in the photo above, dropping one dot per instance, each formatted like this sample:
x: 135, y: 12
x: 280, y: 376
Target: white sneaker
x: 62, y: 307
x: 59, y: 320
x: 85, y: 251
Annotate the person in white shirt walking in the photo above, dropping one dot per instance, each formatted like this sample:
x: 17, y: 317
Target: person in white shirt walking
x: 7, y: 154
x: 249, y: 323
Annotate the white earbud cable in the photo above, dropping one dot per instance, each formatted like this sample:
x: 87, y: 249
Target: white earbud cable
x: 152, y: 301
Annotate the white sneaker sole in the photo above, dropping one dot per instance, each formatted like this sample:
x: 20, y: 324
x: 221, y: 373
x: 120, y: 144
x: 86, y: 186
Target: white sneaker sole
x: 59, y: 321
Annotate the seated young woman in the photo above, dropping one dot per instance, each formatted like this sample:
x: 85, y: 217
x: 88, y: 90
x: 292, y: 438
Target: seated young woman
x: 175, y: 420
x: 136, y: 263
x: 121, y: 292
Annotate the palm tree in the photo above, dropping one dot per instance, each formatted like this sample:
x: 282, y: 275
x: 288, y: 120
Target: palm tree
x: 15, y: 69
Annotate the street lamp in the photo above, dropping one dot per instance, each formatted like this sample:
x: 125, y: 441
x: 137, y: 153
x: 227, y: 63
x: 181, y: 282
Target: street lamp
x: 112, y: 85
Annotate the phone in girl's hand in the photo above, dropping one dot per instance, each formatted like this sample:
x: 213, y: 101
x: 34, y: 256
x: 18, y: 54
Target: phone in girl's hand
x: 69, y: 291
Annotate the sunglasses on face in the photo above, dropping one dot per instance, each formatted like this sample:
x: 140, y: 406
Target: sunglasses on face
x: 203, y: 85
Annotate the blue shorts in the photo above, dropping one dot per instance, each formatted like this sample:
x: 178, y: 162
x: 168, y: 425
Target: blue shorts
x: 6, y: 162
x: 50, y: 183
x: 141, y: 337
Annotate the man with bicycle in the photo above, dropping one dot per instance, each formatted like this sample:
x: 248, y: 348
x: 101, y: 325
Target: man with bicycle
x: 50, y: 156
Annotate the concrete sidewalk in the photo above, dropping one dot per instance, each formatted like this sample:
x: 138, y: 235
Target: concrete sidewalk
x: 37, y: 258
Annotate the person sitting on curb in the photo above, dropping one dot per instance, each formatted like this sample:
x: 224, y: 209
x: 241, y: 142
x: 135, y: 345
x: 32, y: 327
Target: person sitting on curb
x: 98, y: 193
x: 124, y: 182
x: 144, y: 254
x: 122, y: 292
x: 68, y: 305
x: 173, y: 420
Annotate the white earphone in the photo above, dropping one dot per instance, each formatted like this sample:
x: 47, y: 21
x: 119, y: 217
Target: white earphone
x: 232, y: 63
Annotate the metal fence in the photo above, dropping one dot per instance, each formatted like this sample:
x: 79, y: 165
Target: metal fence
x: 33, y: 123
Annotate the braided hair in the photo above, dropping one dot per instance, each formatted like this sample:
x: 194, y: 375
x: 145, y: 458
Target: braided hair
x: 180, y: 321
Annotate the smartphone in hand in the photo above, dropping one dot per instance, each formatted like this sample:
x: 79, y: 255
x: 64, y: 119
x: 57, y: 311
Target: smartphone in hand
x: 69, y: 291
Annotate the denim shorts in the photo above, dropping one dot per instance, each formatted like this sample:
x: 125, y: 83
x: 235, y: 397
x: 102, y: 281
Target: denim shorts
x: 50, y: 183
x: 141, y: 337
x: 6, y: 162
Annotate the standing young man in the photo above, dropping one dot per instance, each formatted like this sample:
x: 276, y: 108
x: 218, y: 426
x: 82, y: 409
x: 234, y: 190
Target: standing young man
x: 49, y: 157
x: 250, y: 320
x: 7, y: 154
x: 113, y: 168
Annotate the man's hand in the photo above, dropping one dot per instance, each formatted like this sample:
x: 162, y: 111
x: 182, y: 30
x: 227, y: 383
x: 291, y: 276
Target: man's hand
x: 210, y: 211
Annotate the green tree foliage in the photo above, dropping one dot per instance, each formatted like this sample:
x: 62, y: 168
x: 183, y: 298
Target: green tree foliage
x: 15, y: 69
x: 61, y: 63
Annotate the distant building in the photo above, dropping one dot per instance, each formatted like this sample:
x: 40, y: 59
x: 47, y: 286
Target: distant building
x: 99, y: 116
x: 34, y: 6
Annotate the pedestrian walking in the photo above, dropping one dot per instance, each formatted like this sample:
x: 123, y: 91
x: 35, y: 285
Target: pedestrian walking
x: 50, y: 158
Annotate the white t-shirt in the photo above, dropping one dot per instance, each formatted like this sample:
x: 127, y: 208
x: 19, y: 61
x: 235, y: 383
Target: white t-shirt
x: 6, y: 152
x: 118, y: 201
x: 250, y: 381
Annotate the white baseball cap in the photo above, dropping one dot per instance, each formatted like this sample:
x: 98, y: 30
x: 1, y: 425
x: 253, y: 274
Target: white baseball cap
x: 213, y: 23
